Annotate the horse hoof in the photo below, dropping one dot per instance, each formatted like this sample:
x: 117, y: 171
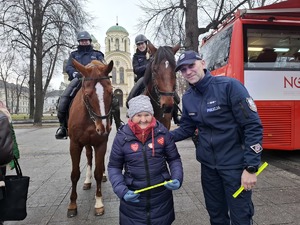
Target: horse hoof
x: 72, y: 213
x: 87, y: 186
x: 99, y: 211
x: 104, y: 178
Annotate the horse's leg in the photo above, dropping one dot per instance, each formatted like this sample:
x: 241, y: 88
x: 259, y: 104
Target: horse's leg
x: 104, y: 178
x: 98, y: 173
x: 88, y: 176
x: 75, y: 152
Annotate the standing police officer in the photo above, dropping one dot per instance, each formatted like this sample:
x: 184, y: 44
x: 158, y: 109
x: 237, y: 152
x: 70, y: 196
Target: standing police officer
x: 84, y: 55
x: 230, y: 137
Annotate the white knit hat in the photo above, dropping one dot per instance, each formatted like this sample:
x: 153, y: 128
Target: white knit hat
x: 139, y: 104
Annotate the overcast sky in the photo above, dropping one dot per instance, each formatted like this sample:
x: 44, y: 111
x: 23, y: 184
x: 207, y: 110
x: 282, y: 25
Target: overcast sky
x: 108, y: 12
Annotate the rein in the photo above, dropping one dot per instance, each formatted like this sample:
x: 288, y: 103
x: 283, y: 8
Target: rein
x: 88, y: 106
x: 91, y: 78
x: 163, y: 55
x: 160, y: 93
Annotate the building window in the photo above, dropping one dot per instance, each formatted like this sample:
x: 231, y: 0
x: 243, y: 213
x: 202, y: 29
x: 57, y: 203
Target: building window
x: 117, y: 45
x: 114, y: 75
x: 121, y: 75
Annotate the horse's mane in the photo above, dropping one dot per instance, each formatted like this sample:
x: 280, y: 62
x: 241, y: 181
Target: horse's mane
x: 163, y: 52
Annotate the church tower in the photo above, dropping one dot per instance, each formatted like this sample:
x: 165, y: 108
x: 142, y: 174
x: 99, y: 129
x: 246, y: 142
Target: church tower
x: 117, y: 48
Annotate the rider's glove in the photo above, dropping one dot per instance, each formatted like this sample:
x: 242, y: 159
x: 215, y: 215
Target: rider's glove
x: 76, y: 75
x: 173, y: 185
x: 130, y: 196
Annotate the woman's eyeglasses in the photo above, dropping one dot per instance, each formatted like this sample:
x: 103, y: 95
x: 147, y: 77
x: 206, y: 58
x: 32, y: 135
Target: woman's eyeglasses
x: 141, y: 43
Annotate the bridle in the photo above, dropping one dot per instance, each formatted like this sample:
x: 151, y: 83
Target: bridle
x: 87, y: 104
x: 158, y: 92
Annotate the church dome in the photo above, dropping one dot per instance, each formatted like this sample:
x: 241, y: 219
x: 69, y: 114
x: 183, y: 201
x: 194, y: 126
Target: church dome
x: 117, y: 28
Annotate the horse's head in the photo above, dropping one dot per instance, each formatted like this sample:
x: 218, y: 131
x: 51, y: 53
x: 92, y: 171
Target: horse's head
x: 161, y: 78
x: 97, y: 93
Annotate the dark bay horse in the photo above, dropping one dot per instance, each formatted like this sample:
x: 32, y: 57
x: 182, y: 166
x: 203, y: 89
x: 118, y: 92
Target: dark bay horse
x: 160, y: 82
x: 89, y: 125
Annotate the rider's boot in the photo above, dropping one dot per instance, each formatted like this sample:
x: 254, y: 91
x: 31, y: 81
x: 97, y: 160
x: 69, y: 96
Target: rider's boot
x: 116, y: 112
x: 63, y: 104
x: 137, y: 89
x: 62, y: 131
x: 63, y: 108
x: 175, y: 115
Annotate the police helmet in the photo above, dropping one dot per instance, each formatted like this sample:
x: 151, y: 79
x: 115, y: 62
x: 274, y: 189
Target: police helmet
x: 84, y: 35
x: 140, y: 39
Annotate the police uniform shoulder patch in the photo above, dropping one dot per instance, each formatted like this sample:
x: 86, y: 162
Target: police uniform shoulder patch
x: 251, y: 104
x: 257, y: 148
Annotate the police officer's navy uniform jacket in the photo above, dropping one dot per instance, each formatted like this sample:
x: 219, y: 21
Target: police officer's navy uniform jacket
x: 139, y: 64
x: 84, y: 55
x: 143, y: 169
x: 230, y: 130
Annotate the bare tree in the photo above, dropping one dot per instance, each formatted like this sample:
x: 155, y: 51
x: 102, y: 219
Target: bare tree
x: 174, y: 21
x: 6, y: 59
x: 22, y: 77
x: 42, y: 29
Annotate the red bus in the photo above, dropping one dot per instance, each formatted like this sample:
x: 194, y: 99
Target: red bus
x: 261, y: 48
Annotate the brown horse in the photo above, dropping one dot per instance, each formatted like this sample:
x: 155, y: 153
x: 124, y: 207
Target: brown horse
x: 89, y: 125
x: 160, y: 82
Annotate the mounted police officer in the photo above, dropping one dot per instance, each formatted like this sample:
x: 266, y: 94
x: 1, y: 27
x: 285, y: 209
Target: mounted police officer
x: 140, y: 60
x: 84, y: 55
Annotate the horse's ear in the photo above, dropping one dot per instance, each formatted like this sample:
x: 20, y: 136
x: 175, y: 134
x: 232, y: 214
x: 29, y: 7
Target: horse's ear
x: 176, y: 48
x: 109, y: 67
x: 81, y: 68
x: 152, y: 48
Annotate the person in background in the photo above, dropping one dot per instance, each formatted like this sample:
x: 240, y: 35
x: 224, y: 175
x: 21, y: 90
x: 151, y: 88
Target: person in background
x: 141, y: 57
x: 140, y: 61
x: 84, y: 55
x: 296, y: 57
x: 146, y: 151
x: 229, y: 143
x: 8, y: 145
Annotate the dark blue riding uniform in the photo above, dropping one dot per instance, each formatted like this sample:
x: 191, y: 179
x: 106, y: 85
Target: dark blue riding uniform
x: 84, y: 55
x: 139, y: 64
x: 230, y: 138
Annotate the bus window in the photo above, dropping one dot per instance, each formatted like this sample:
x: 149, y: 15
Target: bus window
x: 271, y: 47
x: 216, y: 50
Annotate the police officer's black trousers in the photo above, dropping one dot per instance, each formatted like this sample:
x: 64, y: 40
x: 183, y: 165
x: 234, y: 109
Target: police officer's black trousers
x: 65, y: 101
x: 218, y: 187
x: 116, y: 112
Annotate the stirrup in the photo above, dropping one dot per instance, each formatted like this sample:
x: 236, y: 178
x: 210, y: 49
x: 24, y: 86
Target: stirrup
x: 61, y: 133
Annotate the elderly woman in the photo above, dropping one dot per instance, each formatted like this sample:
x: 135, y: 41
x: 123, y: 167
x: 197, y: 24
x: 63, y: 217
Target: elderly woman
x: 145, y: 149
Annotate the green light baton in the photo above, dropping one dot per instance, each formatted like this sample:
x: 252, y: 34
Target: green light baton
x: 261, y: 168
x: 151, y: 187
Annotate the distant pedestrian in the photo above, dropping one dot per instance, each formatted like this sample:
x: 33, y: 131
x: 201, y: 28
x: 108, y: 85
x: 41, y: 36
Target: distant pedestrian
x: 146, y: 151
